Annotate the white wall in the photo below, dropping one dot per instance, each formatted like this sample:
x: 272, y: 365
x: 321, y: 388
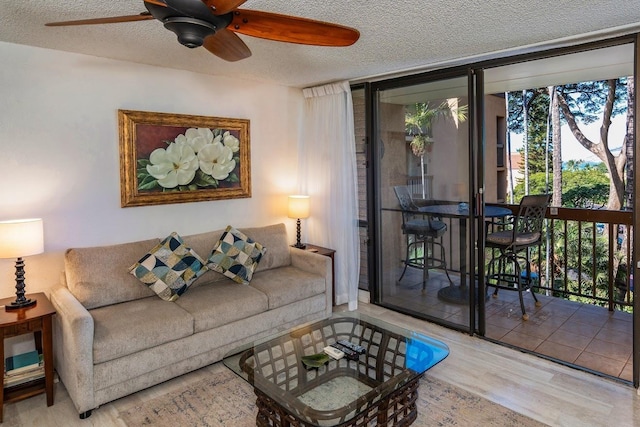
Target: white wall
x: 59, y: 151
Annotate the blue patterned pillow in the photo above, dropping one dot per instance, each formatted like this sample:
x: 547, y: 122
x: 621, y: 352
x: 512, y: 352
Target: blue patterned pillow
x: 236, y: 256
x: 169, y: 268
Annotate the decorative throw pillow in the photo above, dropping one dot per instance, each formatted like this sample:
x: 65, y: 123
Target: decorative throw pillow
x: 236, y: 256
x: 169, y: 268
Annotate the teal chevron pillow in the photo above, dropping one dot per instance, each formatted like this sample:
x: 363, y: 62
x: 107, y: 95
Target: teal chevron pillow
x: 236, y: 256
x: 169, y: 268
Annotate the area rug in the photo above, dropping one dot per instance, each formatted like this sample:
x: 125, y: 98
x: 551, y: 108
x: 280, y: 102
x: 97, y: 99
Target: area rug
x: 225, y: 400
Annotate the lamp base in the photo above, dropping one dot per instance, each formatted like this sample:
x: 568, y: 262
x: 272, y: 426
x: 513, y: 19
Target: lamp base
x: 16, y: 305
x: 298, y: 244
x: 21, y: 301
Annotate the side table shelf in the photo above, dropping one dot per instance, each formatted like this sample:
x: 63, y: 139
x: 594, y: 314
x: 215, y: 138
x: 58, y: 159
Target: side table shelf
x: 24, y: 390
x: 37, y: 320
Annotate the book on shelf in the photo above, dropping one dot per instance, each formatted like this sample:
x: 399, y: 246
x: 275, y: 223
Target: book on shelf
x: 24, y: 377
x: 21, y: 363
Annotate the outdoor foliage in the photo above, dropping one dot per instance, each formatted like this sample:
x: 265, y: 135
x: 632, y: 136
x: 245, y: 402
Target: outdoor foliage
x: 583, y: 185
x: 579, y: 104
x: 576, y: 246
x: 538, y: 111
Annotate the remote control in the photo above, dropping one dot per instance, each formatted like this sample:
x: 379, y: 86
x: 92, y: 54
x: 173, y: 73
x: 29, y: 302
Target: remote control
x: 357, y: 348
x: 334, y: 352
x: 349, y: 354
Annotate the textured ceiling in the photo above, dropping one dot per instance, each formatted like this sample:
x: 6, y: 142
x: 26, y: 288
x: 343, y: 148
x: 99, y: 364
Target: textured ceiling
x: 395, y: 35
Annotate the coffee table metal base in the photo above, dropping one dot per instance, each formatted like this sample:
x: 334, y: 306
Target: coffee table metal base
x: 398, y: 409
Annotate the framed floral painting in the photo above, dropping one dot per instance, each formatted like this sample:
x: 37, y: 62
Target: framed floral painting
x: 177, y: 158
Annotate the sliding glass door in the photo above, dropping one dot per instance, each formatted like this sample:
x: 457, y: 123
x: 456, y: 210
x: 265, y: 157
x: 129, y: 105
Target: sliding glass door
x: 423, y: 174
x: 452, y: 152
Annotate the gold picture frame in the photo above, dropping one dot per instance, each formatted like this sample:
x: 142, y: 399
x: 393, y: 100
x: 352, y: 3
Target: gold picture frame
x: 177, y: 158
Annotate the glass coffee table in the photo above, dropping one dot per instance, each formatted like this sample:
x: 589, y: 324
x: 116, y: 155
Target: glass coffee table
x: 379, y: 388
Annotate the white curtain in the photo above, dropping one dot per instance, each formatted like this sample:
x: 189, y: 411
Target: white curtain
x: 327, y: 171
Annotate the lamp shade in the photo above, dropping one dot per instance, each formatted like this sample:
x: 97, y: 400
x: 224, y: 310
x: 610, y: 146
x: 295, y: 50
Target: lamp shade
x: 299, y: 207
x: 21, y: 237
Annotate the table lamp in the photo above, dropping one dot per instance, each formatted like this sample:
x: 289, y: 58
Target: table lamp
x: 21, y: 238
x: 298, y: 209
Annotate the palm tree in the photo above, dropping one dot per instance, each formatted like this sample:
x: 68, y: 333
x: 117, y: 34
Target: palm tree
x: 419, y: 120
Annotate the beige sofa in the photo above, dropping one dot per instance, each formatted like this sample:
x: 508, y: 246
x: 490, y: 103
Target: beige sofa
x: 113, y: 336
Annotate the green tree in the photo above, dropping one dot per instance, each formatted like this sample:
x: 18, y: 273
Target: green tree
x: 589, y: 102
x: 583, y: 185
x: 629, y: 141
x: 580, y: 103
x: 419, y: 119
x: 584, y: 189
x: 536, y: 107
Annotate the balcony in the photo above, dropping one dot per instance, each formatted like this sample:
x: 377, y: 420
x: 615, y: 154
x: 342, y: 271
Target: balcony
x: 586, y: 314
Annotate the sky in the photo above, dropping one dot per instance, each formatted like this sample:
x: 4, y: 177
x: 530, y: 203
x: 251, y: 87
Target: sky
x: 571, y: 148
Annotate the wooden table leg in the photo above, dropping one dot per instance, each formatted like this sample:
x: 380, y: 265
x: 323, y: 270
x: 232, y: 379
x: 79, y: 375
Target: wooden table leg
x: 47, y: 344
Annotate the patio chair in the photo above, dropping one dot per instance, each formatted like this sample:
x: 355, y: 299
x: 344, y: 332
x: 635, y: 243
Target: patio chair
x: 424, y: 232
x: 513, y: 245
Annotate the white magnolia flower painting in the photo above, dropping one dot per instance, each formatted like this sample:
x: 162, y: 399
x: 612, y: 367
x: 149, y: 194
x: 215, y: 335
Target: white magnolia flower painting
x: 182, y: 158
x: 198, y: 158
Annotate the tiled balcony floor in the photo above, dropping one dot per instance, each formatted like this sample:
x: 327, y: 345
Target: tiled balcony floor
x: 585, y: 335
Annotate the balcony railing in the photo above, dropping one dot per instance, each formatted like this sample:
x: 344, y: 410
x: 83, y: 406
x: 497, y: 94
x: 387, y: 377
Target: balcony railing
x: 584, y: 256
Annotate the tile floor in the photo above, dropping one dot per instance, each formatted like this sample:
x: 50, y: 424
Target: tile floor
x: 585, y: 335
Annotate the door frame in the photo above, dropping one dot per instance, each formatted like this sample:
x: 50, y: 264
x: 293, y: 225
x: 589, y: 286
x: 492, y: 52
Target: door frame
x: 477, y: 134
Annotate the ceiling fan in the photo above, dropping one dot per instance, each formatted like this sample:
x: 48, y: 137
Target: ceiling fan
x: 213, y: 24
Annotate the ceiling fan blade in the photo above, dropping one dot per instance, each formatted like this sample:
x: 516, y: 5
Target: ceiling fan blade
x: 284, y: 28
x: 220, y: 7
x: 144, y: 16
x: 226, y: 45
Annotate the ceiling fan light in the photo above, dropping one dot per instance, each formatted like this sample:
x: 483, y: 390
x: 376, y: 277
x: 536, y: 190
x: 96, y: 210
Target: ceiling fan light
x: 191, y: 32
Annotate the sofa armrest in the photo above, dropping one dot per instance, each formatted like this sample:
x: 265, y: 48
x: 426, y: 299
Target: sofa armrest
x: 73, y: 347
x: 318, y: 264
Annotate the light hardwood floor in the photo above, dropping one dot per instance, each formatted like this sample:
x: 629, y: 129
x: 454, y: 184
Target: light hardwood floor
x: 546, y: 391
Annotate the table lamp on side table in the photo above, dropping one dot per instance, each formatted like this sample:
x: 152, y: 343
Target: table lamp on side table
x: 21, y: 238
x: 298, y: 209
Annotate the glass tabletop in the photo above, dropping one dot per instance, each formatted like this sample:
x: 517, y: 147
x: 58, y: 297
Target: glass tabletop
x: 338, y: 390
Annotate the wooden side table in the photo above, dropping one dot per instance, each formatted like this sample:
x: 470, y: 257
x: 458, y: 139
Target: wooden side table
x: 37, y: 320
x: 330, y: 253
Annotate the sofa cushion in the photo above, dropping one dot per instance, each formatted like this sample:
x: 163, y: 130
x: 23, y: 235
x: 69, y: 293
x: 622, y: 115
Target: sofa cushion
x: 236, y: 256
x: 99, y: 276
x: 274, y: 238
x: 169, y: 268
x: 126, y: 328
x: 217, y: 304
x: 285, y: 285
